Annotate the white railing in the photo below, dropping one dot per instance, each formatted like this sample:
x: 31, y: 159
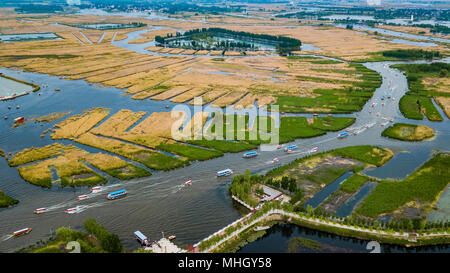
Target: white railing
x: 306, y: 219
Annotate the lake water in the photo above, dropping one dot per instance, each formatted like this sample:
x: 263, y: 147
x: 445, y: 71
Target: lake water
x: 277, y: 240
x: 28, y: 37
x: 10, y: 88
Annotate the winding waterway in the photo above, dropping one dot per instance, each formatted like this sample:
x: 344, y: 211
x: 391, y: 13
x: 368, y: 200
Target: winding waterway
x: 159, y: 203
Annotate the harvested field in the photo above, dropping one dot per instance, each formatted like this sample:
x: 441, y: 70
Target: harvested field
x: 118, y: 123
x: 444, y: 102
x: 149, y: 158
x: 175, y: 91
x: 159, y: 124
x: 77, y: 125
x: 210, y: 96
x: 228, y: 99
x: 188, y: 95
x: 34, y: 154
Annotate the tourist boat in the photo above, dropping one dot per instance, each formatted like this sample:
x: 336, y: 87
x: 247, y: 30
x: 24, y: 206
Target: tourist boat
x: 356, y: 132
x: 72, y: 210
x: 382, y: 97
x: 250, y: 154
x: 373, y: 104
x: 187, y: 183
x: 6, y: 117
x: 389, y: 96
x: 82, y: 197
x: 347, y: 130
x: 96, y: 189
x: 22, y: 231
x: 18, y: 107
x: 224, y: 173
x: 142, y: 239
x: 41, y: 210
x: 315, y: 149
x: 275, y: 160
x: 393, y: 99
x: 19, y: 119
x: 290, y: 148
x: 117, y: 194
x: 342, y: 135
x: 171, y: 237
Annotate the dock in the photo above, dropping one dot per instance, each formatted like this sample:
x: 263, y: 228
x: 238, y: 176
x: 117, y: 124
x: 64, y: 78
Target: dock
x: 164, y: 245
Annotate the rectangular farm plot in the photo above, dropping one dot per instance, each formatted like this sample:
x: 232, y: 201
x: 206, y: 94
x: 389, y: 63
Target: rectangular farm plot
x: 188, y: 95
x: 149, y: 158
x: 210, y: 96
x: 118, y: 123
x: 77, y: 125
x: 228, y: 99
x: 159, y: 124
x: 171, y: 93
x: 34, y: 154
x: 116, y: 167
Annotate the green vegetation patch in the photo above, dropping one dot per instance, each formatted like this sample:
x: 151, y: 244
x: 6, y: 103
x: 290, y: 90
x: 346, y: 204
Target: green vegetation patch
x: 417, y: 101
x: 128, y: 172
x: 366, y: 153
x: 423, y: 185
x: 190, y: 152
x: 408, y: 132
x: 353, y: 183
x: 411, y: 54
x: 332, y: 123
x: 6, y: 201
x: 96, y: 239
x: 157, y: 161
x: 295, y: 243
x: 347, y: 100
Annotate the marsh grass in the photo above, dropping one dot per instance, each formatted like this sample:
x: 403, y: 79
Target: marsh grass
x: 423, y: 185
x: 408, y: 132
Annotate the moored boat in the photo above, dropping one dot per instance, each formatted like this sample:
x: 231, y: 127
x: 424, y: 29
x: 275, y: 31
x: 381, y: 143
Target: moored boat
x: 342, y: 135
x: 22, y: 231
x: 171, y: 237
x: 117, y: 194
x: 19, y: 119
x: 142, y: 239
x: 275, y: 160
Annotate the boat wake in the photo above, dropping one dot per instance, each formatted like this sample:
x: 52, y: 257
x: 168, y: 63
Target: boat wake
x: 7, y: 237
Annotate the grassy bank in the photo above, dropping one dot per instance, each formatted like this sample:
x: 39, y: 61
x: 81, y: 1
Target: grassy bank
x: 408, y: 132
x: 345, y: 100
x: 6, y: 201
x: 424, y: 82
x: 95, y: 239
